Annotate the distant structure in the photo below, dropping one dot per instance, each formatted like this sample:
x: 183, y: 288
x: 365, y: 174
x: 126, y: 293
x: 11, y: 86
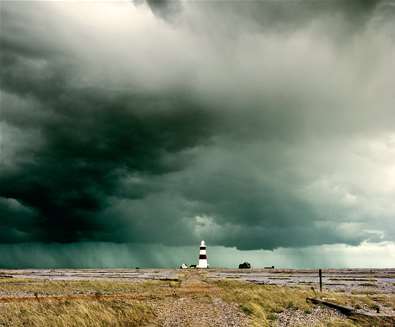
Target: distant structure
x: 202, y: 256
x: 245, y: 265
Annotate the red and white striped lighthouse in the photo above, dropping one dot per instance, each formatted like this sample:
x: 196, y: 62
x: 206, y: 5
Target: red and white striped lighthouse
x: 202, y: 256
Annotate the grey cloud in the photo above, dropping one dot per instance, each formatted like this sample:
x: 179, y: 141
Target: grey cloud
x: 247, y: 125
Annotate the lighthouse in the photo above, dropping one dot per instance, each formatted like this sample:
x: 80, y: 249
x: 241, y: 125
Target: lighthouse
x: 202, y: 256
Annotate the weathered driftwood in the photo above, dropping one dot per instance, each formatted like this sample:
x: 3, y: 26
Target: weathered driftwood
x: 341, y: 308
x: 363, y: 318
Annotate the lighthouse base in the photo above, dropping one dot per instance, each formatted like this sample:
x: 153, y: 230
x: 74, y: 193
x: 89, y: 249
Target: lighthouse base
x: 202, y: 263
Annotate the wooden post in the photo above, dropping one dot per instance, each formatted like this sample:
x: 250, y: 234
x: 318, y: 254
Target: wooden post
x: 320, y: 275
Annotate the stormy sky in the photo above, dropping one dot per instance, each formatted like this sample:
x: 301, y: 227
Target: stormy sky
x: 131, y: 130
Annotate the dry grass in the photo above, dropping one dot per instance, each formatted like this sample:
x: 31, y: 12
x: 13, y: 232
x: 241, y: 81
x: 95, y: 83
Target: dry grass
x: 263, y: 302
x: 27, y: 302
x: 19, y: 286
x: 365, y: 300
x: 78, y: 303
x: 75, y: 313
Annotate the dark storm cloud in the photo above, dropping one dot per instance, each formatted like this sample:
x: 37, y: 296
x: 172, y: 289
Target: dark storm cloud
x: 16, y: 223
x: 92, y: 137
x: 285, y: 15
x: 90, y: 143
x: 165, y: 8
x: 204, y: 120
x: 277, y: 12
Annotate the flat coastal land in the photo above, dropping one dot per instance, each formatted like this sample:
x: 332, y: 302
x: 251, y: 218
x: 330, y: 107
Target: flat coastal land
x: 192, y: 297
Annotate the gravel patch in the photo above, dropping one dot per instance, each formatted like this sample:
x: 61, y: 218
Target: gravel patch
x: 301, y: 318
x: 199, y: 312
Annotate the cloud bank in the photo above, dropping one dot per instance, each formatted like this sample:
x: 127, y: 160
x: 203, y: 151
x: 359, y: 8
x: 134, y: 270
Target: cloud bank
x: 258, y: 125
